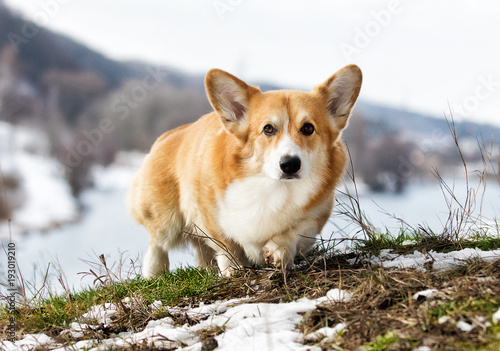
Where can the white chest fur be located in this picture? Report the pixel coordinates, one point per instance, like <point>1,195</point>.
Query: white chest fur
<point>255,209</point>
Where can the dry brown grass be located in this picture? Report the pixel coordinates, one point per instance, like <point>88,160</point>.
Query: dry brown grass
<point>382,305</point>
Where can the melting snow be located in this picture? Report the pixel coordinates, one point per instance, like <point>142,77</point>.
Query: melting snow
<point>101,313</point>
<point>438,260</point>
<point>427,294</point>
<point>247,326</point>
<point>464,326</point>
<point>46,198</point>
<point>325,333</point>
<point>120,174</point>
<point>496,317</point>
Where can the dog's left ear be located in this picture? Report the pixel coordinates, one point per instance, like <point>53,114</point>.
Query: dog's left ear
<point>230,97</point>
<point>341,91</point>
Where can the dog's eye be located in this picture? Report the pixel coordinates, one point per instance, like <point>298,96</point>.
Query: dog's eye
<point>307,129</point>
<point>269,130</point>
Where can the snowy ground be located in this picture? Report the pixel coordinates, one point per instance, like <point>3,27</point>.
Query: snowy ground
<point>432,259</point>
<point>245,325</point>
<point>44,197</point>
<point>119,175</point>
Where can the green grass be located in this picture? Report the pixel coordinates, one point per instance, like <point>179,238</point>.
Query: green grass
<point>171,288</point>
<point>59,311</point>
<point>382,342</point>
<point>466,307</point>
<point>410,240</point>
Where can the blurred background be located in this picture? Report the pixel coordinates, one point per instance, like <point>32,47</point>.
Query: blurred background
<point>86,87</point>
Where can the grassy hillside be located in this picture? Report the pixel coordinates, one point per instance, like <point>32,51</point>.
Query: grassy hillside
<point>382,315</point>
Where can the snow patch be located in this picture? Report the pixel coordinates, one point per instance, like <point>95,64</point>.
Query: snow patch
<point>427,294</point>
<point>244,326</point>
<point>120,173</point>
<point>437,260</point>
<point>48,197</point>
<point>29,342</point>
<point>496,317</point>
<point>444,319</point>
<point>325,333</point>
<point>337,295</point>
<point>423,348</point>
<point>101,314</point>
<point>464,326</point>
<point>47,200</point>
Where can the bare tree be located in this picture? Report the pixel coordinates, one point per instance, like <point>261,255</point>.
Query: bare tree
<point>386,166</point>
<point>73,91</point>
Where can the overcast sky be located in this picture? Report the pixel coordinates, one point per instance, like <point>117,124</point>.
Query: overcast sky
<point>423,55</point>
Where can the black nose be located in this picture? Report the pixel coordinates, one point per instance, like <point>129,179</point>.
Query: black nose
<point>290,164</point>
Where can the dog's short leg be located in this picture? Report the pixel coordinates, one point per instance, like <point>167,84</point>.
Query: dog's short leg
<point>230,261</point>
<point>226,264</point>
<point>279,253</point>
<point>307,240</point>
<point>203,254</point>
<point>155,261</point>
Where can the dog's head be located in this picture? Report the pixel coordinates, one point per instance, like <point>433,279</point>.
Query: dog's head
<point>285,133</point>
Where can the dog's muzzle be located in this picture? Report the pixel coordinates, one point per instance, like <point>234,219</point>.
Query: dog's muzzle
<point>290,166</point>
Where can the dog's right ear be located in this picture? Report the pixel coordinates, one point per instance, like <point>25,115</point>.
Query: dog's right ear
<point>341,91</point>
<point>230,97</point>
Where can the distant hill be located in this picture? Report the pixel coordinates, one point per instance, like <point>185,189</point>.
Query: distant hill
<point>40,50</point>
<point>416,125</point>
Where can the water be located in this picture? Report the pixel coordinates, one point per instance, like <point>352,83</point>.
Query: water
<point>106,229</point>
<point>425,204</point>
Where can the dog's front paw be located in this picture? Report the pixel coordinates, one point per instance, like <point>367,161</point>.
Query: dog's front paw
<point>226,273</point>
<point>226,265</point>
<point>276,255</point>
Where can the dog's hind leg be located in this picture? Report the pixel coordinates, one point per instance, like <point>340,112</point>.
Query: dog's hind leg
<point>161,241</point>
<point>165,226</point>
<point>155,261</point>
<point>155,205</point>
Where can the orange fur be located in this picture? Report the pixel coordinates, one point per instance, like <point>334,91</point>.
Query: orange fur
<point>222,183</point>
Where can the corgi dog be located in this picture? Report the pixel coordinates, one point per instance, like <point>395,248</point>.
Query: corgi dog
<point>251,182</point>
